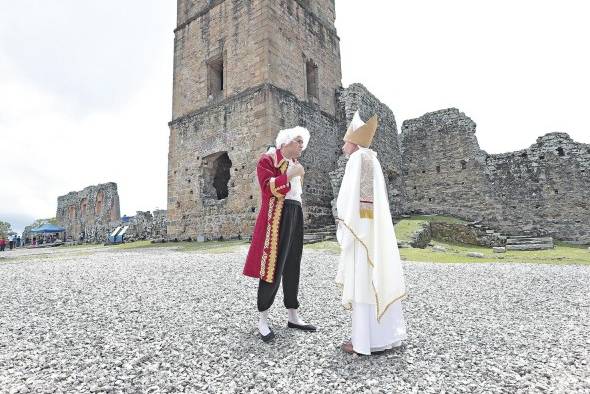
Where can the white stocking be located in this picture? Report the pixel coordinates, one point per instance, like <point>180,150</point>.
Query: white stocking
<point>294,317</point>
<point>263,323</point>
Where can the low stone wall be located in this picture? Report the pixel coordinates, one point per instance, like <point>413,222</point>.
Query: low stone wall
<point>466,234</point>
<point>146,225</point>
<point>422,237</point>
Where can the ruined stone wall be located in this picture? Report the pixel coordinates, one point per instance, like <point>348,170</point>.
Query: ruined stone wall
<point>299,37</point>
<point>233,32</point>
<point>318,159</point>
<point>256,42</point>
<point>443,165</point>
<point>357,98</point>
<point>323,9</point>
<point>160,224</point>
<point>215,142</point>
<point>93,211</point>
<point>542,190</point>
<point>244,128</point>
<point>239,128</point>
<point>467,233</point>
<point>190,9</point>
<point>146,225</point>
<point>279,66</point>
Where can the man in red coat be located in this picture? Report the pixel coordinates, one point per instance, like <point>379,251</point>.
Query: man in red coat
<point>277,241</point>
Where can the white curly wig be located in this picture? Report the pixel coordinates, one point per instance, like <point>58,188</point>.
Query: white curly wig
<point>287,135</point>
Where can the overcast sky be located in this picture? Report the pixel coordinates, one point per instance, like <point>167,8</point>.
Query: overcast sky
<point>85,86</point>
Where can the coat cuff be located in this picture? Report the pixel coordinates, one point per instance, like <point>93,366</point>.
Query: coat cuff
<point>280,186</point>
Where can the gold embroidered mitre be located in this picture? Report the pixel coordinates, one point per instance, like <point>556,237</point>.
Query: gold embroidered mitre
<point>361,133</point>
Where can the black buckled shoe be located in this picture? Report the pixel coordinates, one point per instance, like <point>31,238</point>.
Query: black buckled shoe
<point>268,337</point>
<point>304,327</point>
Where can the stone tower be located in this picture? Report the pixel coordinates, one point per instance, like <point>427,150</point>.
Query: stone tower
<point>243,69</point>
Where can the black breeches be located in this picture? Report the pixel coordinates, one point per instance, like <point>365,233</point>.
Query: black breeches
<point>288,262</point>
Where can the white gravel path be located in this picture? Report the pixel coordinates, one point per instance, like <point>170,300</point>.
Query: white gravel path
<point>160,320</point>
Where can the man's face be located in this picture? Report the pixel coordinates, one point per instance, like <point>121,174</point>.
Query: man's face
<point>293,149</point>
<point>349,148</point>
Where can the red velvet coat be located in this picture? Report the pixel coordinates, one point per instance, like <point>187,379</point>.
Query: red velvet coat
<point>274,185</point>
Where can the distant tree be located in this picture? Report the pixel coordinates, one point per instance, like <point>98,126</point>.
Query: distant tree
<point>5,228</point>
<point>40,222</point>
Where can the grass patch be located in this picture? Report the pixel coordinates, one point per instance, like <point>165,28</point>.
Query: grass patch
<point>439,219</point>
<point>457,253</point>
<point>405,228</point>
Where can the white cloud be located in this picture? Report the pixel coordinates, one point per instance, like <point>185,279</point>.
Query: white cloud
<point>85,98</point>
<point>46,152</point>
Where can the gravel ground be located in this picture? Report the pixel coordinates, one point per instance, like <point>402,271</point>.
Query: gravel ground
<point>160,320</point>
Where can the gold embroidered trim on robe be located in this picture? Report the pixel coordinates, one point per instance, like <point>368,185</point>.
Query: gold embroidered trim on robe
<point>366,213</point>
<point>370,262</point>
<point>366,188</point>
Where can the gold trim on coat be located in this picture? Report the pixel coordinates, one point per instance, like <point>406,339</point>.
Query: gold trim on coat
<point>274,241</point>
<point>266,238</point>
<point>273,188</point>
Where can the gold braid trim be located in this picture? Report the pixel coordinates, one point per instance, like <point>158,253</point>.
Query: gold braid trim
<point>366,213</point>
<point>358,239</point>
<point>271,204</point>
<point>379,315</point>
<point>388,304</point>
<point>273,181</point>
<point>272,228</point>
<point>284,166</point>
<point>273,188</point>
<point>274,242</point>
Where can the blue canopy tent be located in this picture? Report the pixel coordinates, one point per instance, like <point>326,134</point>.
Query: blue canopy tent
<point>44,229</point>
<point>48,228</point>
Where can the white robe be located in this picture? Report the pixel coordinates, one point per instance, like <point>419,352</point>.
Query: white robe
<point>369,269</point>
